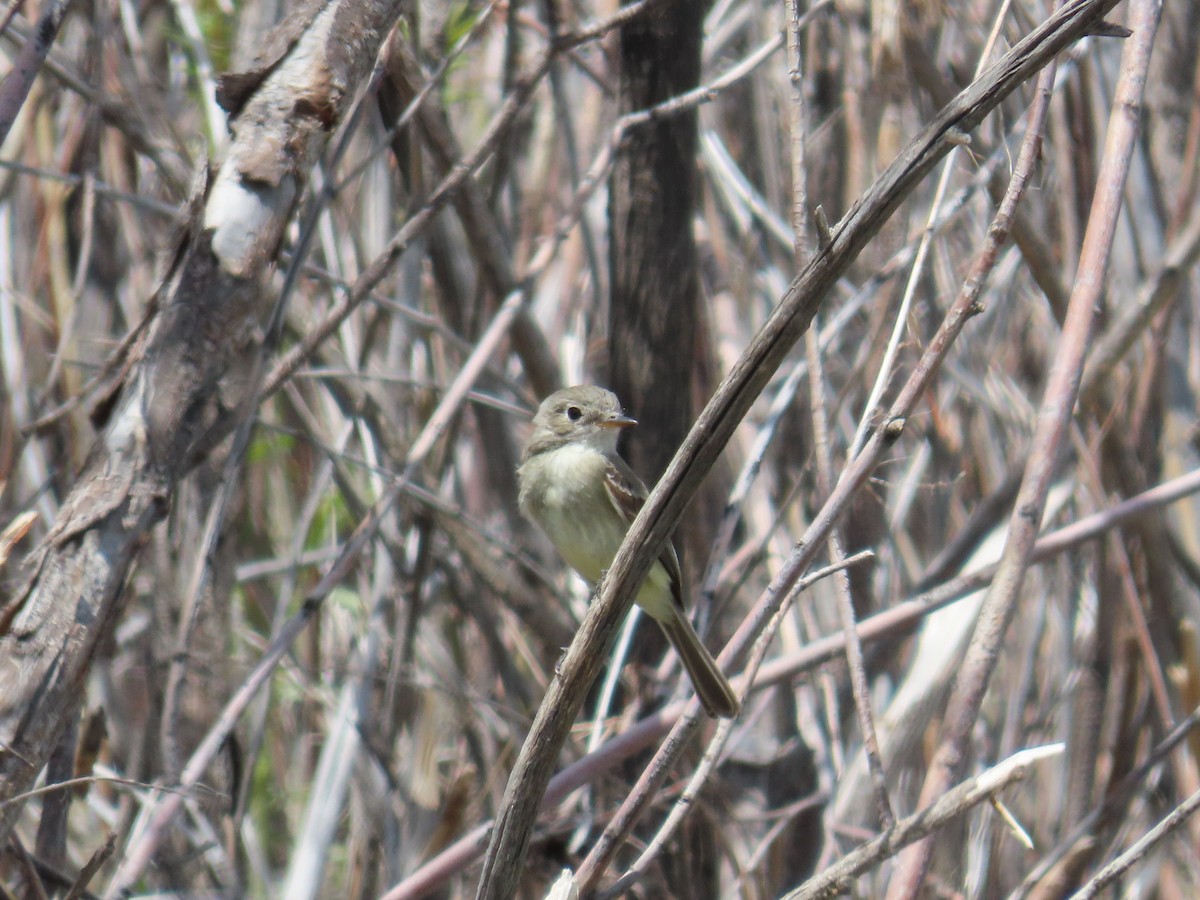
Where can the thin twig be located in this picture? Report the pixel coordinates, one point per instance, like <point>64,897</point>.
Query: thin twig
<point>1114,870</point>
<point>1061,392</point>
<point>928,820</point>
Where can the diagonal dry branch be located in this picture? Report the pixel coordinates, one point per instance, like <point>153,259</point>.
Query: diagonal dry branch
<point>837,878</point>
<point>896,620</point>
<point>204,316</point>
<point>664,508</point>
<point>1062,390</point>
<point>170,410</point>
<point>1101,654</point>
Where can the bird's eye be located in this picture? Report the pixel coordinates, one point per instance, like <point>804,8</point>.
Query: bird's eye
<point>574,413</point>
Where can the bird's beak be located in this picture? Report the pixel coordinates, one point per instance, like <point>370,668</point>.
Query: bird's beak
<point>618,421</point>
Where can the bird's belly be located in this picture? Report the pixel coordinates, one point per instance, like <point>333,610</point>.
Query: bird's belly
<point>588,542</point>
<point>556,496</point>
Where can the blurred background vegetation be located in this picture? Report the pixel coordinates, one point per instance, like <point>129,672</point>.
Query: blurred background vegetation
<point>388,729</point>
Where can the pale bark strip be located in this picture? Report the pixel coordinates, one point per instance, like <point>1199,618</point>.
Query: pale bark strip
<point>200,322</point>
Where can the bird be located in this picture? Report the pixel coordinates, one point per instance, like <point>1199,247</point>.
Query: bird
<point>576,487</point>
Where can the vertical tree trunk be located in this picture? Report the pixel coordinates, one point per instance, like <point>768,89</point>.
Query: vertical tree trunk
<point>655,303</point>
<point>655,285</point>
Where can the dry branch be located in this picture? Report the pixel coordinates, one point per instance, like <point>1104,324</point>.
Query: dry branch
<point>664,507</point>
<point>203,316</point>
<point>331,635</point>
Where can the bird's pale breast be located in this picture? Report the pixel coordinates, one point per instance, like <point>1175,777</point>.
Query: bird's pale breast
<point>571,480</point>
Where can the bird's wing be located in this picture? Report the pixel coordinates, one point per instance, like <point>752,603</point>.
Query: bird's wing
<point>627,493</point>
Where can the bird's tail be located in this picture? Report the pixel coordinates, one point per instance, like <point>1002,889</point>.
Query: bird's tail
<point>713,688</point>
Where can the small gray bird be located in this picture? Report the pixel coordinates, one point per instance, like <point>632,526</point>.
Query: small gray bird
<point>580,492</point>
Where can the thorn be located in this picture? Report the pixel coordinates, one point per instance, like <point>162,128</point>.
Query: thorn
<point>824,233</point>
<point>893,429</point>
<point>1105,28</point>
<point>1010,820</point>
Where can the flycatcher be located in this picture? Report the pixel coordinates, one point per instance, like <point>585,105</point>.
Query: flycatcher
<point>580,492</point>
